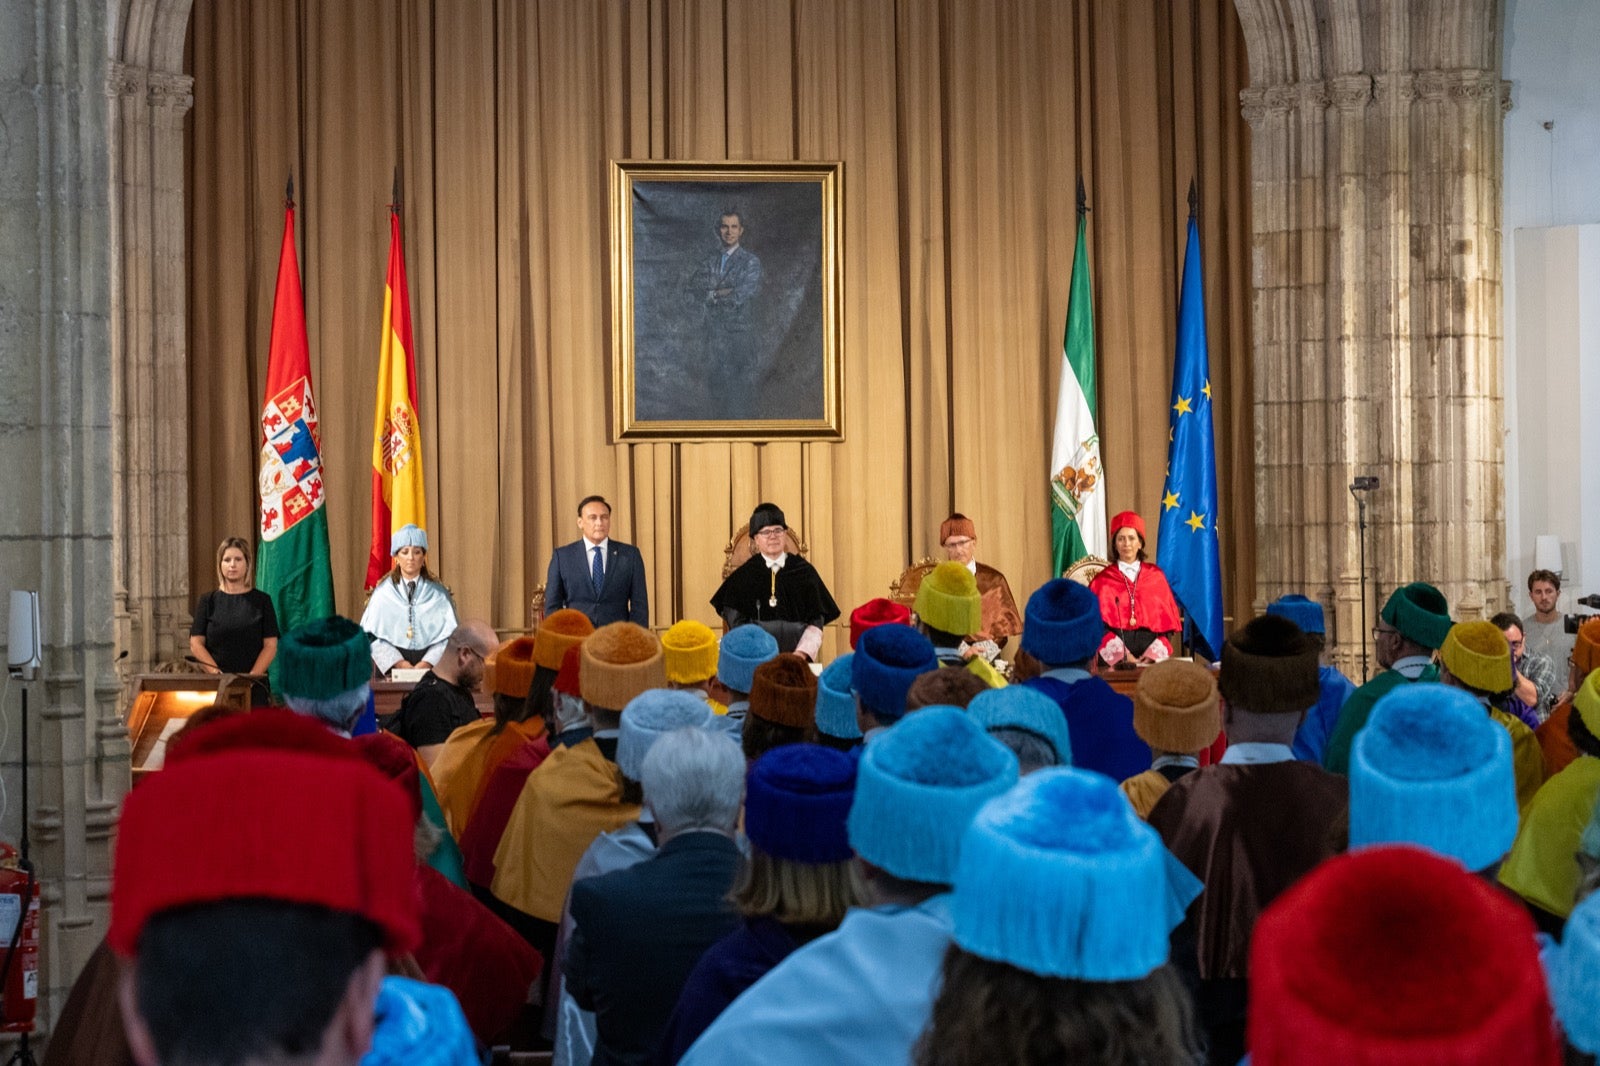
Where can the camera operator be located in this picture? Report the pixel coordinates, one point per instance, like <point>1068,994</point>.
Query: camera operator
<point>1546,633</point>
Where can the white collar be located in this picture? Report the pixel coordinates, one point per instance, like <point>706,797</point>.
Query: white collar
<point>1129,570</point>
<point>1255,752</point>
<point>775,564</point>
<point>972,567</point>
<point>1191,761</point>
<point>1411,666</point>
<point>604,546</point>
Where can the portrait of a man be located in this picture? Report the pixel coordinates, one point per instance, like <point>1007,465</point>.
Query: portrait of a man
<point>727,304</point>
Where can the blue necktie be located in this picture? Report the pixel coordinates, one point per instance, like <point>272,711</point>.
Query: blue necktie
<point>597,573</point>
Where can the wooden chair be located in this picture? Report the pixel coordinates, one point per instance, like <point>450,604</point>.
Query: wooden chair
<point>903,589</point>
<point>1084,570</point>
<point>740,548</point>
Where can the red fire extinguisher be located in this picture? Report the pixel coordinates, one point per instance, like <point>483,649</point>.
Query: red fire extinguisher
<point>19,944</point>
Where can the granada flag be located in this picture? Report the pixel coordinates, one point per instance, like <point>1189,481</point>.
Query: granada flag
<point>397,497</point>
<point>292,565</point>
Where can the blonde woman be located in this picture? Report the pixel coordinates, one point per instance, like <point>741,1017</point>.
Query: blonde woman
<point>235,628</point>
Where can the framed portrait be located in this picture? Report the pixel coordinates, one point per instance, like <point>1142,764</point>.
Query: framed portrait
<point>726,291</point>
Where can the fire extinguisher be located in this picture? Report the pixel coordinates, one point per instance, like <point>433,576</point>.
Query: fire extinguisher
<point>19,938</point>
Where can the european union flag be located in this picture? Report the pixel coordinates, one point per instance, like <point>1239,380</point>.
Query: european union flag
<point>1188,547</point>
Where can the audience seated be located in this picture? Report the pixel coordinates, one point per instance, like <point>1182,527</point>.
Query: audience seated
<point>946,688</point>
<point>874,613</point>
<point>1573,971</point>
<point>1335,689</point>
<point>1062,907</point>
<point>442,701</point>
<point>269,945</point>
<point>1542,868</point>
<point>783,705</point>
<point>743,649</point>
<point>647,718</point>
<point>1552,735</point>
<point>1253,824</point>
<point>1431,770</point>
<point>576,793</point>
<point>1027,722</point>
<point>1175,712</point>
<point>1411,627</point>
<point>1393,956</point>
<point>795,884</point>
<point>689,649</point>
<point>861,995</point>
<point>886,662</point>
<point>836,706</point>
<point>463,946</point>
<point>1476,658</point>
<point>1061,633</point>
<point>638,932</point>
<point>472,751</point>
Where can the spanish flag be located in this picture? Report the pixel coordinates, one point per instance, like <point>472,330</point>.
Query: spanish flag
<point>397,496</point>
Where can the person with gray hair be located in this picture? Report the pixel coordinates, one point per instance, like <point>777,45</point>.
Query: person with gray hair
<point>637,933</point>
<point>325,670</point>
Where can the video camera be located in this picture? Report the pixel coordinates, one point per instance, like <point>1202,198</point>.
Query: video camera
<point>1571,622</point>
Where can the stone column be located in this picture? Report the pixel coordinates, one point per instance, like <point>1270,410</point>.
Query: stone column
<point>56,483</point>
<point>1375,202</point>
<point>149,337</point>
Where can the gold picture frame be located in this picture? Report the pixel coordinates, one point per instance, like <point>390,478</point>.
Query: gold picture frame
<point>726,301</point>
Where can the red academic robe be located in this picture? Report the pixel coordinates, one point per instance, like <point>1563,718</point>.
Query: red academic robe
<point>1146,603</point>
<point>501,788</point>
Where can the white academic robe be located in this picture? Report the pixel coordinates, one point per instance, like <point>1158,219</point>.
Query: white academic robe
<point>386,618</point>
<point>859,995</point>
<point>574,1032</point>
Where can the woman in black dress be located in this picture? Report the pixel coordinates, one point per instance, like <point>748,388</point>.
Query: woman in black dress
<point>235,629</point>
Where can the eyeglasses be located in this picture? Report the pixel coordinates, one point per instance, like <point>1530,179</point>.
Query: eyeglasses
<point>771,531</point>
<point>1378,631</point>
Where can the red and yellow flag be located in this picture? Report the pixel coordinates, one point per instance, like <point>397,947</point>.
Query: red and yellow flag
<point>397,496</point>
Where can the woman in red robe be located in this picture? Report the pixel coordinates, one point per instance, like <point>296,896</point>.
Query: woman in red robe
<point>1136,602</point>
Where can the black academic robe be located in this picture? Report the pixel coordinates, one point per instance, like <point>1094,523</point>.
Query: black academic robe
<point>802,599</point>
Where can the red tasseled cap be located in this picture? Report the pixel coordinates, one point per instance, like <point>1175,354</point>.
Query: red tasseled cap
<point>1393,956</point>
<point>874,613</point>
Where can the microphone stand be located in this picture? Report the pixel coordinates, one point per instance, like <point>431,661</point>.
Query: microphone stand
<point>1358,489</point>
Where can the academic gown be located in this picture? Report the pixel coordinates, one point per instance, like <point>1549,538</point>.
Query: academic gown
<point>1334,690</point>
<point>1248,831</point>
<point>468,756</point>
<point>1541,868</point>
<point>1555,741</point>
<point>573,797</point>
<point>803,600</point>
<point>1100,724</point>
<point>1358,708</point>
<point>430,616</point>
<point>859,996</point>
<point>501,790</point>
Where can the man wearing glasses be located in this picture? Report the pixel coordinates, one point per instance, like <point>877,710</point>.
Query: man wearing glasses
<point>442,700</point>
<point>958,536</point>
<point>779,592</point>
<point>1411,627</point>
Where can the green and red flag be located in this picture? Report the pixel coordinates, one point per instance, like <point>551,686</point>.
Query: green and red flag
<point>293,565</point>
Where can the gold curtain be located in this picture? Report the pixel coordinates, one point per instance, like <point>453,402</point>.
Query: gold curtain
<point>962,124</point>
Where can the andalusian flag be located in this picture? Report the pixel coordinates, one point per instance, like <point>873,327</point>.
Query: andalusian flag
<point>1077,486</point>
<point>292,566</point>
<point>397,497</point>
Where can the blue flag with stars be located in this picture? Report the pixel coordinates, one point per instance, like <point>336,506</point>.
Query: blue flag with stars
<point>1188,546</point>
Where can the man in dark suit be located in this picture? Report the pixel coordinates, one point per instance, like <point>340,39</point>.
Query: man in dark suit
<point>637,933</point>
<point>599,576</point>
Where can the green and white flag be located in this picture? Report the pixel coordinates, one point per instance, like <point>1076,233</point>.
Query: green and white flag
<point>1077,480</point>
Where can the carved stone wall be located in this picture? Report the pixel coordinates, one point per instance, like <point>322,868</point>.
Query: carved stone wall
<point>1375,156</point>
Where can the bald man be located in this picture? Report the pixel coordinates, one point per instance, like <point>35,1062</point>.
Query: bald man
<point>442,701</point>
